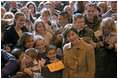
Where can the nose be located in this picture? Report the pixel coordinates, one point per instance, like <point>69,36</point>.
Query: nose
<point>71,37</point>
<point>41,46</point>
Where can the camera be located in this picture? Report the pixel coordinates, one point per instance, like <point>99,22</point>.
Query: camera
<point>100,38</point>
<point>105,43</point>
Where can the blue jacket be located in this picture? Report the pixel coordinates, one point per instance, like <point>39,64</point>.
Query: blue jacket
<point>9,65</point>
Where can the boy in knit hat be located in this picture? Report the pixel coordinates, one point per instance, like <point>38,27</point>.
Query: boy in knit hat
<point>30,64</point>
<point>19,54</point>
<point>19,57</point>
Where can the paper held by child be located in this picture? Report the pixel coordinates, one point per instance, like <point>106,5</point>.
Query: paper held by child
<point>55,66</point>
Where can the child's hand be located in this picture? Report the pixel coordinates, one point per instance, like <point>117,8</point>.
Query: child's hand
<point>27,70</point>
<point>59,37</point>
<point>19,73</point>
<point>42,62</point>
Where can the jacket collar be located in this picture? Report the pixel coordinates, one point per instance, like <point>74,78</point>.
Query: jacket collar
<point>80,46</point>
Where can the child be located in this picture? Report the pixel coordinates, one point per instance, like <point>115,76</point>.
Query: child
<point>31,66</point>
<point>8,47</point>
<point>40,29</point>
<point>52,57</point>
<point>28,25</point>
<point>54,17</point>
<point>18,53</point>
<point>40,46</point>
<point>50,25</point>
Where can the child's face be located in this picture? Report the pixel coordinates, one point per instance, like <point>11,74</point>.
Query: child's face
<point>20,58</point>
<point>51,54</point>
<point>29,42</point>
<point>28,26</point>
<point>27,59</point>
<point>25,11</point>
<point>8,49</point>
<point>31,7</point>
<point>40,28</point>
<point>40,45</point>
<point>45,16</point>
<point>54,17</point>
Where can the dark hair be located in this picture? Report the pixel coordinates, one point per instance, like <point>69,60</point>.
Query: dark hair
<point>69,27</point>
<point>90,4</point>
<point>79,6</point>
<point>22,40</point>
<point>77,15</point>
<point>16,52</point>
<point>32,4</point>
<point>7,45</point>
<point>50,47</point>
<point>65,14</point>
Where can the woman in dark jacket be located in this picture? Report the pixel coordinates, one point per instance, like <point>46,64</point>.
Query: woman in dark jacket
<point>13,32</point>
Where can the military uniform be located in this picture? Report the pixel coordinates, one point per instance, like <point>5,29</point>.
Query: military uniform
<point>87,32</point>
<point>95,24</point>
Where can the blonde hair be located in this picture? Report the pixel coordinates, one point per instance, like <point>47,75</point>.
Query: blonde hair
<point>31,52</point>
<point>108,22</point>
<point>37,22</point>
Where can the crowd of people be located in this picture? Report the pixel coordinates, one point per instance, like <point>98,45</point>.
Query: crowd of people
<point>80,34</point>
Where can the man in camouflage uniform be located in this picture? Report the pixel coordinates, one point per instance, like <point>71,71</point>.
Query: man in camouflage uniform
<point>91,19</point>
<point>85,32</point>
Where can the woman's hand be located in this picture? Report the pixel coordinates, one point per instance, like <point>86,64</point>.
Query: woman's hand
<point>101,44</point>
<point>111,46</point>
<point>93,44</point>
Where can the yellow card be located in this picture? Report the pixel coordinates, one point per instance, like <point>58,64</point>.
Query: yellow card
<point>55,66</point>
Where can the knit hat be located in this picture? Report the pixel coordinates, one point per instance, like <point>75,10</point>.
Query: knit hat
<point>16,52</point>
<point>31,52</point>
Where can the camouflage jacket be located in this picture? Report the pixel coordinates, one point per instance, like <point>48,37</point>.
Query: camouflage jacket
<point>95,24</point>
<point>87,32</point>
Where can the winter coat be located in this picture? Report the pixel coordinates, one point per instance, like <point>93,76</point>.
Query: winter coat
<point>106,59</point>
<point>9,65</point>
<point>87,32</point>
<point>79,62</point>
<point>11,36</point>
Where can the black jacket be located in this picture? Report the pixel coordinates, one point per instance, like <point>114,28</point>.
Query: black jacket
<point>11,36</point>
